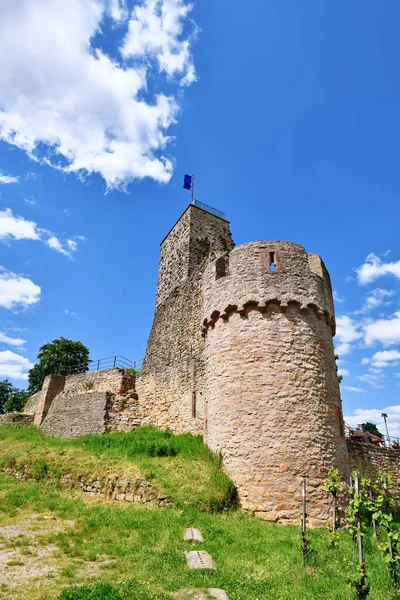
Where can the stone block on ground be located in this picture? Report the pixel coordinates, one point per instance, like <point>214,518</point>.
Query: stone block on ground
<point>199,559</point>
<point>192,535</point>
<point>218,594</point>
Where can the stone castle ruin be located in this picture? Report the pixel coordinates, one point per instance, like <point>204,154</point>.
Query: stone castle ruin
<point>240,351</point>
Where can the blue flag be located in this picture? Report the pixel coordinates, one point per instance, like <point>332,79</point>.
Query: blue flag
<point>187,182</point>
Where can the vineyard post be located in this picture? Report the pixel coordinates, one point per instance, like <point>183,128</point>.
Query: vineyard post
<point>359,537</point>
<point>373,520</point>
<point>384,483</point>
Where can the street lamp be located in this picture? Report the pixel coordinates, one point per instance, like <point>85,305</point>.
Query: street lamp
<point>385,416</point>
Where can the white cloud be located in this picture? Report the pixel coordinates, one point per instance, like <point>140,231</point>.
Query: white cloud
<point>54,243</point>
<point>71,313</point>
<point>73,107</point>
<point>155,29</point>
<point>7,178</point>
<point>374,267</point>
<point>347,330</point>
<point>17,291</point>
<point>373,379</point>
<point>375,298</point>
<point>350,388</point>
<point>343,372</point>
<point>342,349</point>
<point>14,366</point>
<point>373,415</point>
<point>385,331</point>
<point>118,10</point>
<point>5,339</point>
<point>336,297</point>
<point>17,228</point>
<point>385,358</point>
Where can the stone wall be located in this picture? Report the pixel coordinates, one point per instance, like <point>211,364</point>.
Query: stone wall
<point>172,396</point>
<point>95,402</point>
<point>273,402</point>
<point>183,250</point>
<point>117,488</point>
<point>20,418</point>
<point>72,415</point>
<point>370,461</point>
<point>40,402</point>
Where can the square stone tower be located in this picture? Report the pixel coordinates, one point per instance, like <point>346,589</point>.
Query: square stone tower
<point>171,382</point>
<point>196,233</point>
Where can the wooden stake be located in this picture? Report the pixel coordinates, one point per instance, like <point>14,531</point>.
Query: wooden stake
<point>334,515</point>
<point>359,537</point>
<point>389,538</point>
<point>373,520</point>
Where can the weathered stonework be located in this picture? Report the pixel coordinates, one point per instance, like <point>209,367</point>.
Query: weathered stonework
<point>116,488</point>
<point>240,350</point>
<point>371,461</point>
<point>17,418</point>
<point>274,409</point>
<point>96,402</point>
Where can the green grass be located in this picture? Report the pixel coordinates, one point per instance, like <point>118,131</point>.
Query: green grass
<point>181,465</point>
<point>115,552</point>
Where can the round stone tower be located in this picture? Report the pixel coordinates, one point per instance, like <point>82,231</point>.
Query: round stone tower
<point>273,406</point>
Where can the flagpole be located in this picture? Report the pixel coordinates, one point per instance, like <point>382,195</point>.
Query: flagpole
<point>192,189</point>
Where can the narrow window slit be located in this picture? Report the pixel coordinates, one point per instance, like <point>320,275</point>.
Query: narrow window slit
<point>272,264</point>
<point>194,405</point>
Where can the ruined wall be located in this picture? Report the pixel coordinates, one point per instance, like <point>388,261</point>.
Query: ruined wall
<point>95,402</point>
<point>20,418</point>
<point>40,403</point>
<point>32,404</point>
<point>370,461</point>
<point>273,401</point>
<point>72,415</point>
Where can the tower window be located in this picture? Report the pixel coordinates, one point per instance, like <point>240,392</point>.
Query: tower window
<point>272,264</point>
<point>194,405</point>
<point>221,267</point>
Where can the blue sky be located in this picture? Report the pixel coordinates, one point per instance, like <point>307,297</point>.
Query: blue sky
<point>287,112</point>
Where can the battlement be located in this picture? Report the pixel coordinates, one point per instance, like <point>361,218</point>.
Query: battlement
<point>262,273</point>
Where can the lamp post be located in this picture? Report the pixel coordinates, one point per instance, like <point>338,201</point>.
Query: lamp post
<point>385,416</point>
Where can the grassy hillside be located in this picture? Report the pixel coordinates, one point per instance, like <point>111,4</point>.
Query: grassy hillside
<point>182,466</point>
<point>52,539</point>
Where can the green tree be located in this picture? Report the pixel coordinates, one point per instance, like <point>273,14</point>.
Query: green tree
<point>62,356</point>
<point>16,401</point>
<point>6,388</point>
<point>371,428</point>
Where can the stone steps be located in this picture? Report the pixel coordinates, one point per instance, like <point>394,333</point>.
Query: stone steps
<point>200,559</point>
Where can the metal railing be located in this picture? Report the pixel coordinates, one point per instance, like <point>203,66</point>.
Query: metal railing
<point>210,209</point>
<point>149,362</point>
<point>101,364</point>
<point>113,362</point>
